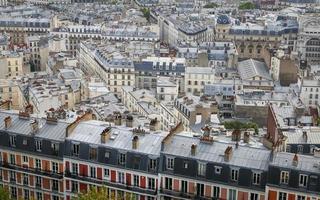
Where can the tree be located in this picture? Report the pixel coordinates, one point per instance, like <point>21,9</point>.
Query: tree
<point>211,5</point>
<point>237,125</point>
<point>4,194</point>
<point>101,194</point>
<point>146,13</point>
<point>246,6</point>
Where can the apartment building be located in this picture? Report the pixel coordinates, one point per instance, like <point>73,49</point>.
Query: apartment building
<point>20,28</point>
<point>152,69</point>
<point>116,70</point>
<point>10,91</point>
<point>11,64</point>
<point>310,92</point>
<point>193,111</point>
<point>46,158</point>
<point>32,156</point>
<point>196,78</point>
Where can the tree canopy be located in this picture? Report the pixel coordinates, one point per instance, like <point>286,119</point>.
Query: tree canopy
<point>146,13</point>
<point>246,6</point>
<point>237,125</point>
<point>4,194</point>
<point>211,5</point>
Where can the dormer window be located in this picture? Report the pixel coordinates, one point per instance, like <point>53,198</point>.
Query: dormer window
<point>38,145</point>
<point>12,140</point>
<point>122,159</point>
<point>75,149</point>
<point>170,163</point>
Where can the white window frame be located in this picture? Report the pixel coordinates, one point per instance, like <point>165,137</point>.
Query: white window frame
<point>170,163</point>
<point>303,180</point>
<point>202,168</point>
<point>38,145</point>
<point>217,169</point>
<point>284,177</point>
<point>256,178</point>
<point>234,174</point>
<point>55,167</point>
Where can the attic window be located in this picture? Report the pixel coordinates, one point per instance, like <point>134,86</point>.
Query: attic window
<point>25,142</point>
<point>107,154</point>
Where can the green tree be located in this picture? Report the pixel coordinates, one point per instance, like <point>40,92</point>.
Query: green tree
<point>246,6</point>
<point>4,194</point>
<point>146,13</point>
<point>101,194</point>
<point>211,5</point>
<point>237,125</point>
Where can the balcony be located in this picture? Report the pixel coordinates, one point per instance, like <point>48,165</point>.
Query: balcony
<point>118,185</point>
<point>31,170</point>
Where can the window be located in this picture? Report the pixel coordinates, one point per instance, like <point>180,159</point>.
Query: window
<point>151,183</point>
<point>217,170</point>
<point>38,145</point>
<point>234,174</point>
<point>121,177</point>
<point>74,168</point>
<point>303,180</point>
<point>12,176</point>
<point>39,196</point>
<point>75,149</point>
<point>93,172</point>
<point>55,148</point>
<point>13,192</point>
<point>152,164</point>
<point>13,140</point>
<point>74,186</point>
<point>26,194</point>
<point>254,196</point>
<point>38,181</point>
<point>185,164</point>
<point>12,159</point>
<point>202,169</point>
<point>168,183</point>
<point>170,163</point>
<point>136,180</point>
<point>184,186</point>
<point>284,177</point>
<point>216,192</point>
<point>200,189</point>
<point>122,159</point>
<point>55,185</point>
<point>300,197</point>
<point>93,153</point>
<point>25,159</point>
<point>282,196</point>
<point>25,179</point>
<point>107,154</point>
<point>38,164</point>
<point>256,178</point>
<point>232,194</point>
<point>300,149</point>
<point>106,173</point>
<point>55,167</point>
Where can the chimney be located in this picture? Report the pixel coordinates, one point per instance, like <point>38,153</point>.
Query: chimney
<point>34,126</point>
<point>135,142</point>
<point>246,137</point>
<point>117,119</point>
<point>193,149</point>
<point>236,135</point>
<point>105,135</point>
<point>305,136</point>
<point>295,160</point>
<point>316,152</point>
<point>228,154</point>
<point>129,121</point>
<point>154,124</point>
<point>7,122</point>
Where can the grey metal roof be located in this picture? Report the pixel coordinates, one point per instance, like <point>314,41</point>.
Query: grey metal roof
<point>305,163</point>
<point>296,136</point>
<point>22,126</point>
<point>243,156</point>
<point>251,68</point>
<point>121,137</point>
